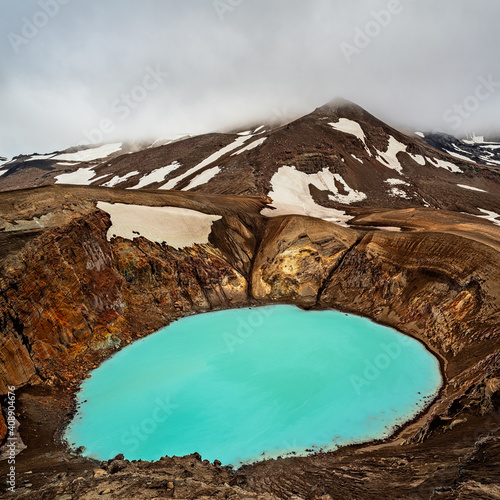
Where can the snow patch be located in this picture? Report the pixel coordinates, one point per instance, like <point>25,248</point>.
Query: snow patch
<point>350,127</point>
<point>399,193</point>
<point>471,188</point>
<point>119,179</point>
<point>157,175</point>
<point>90,154</point>
<point>396,182</point>
<point>417,158</point>
<point>390,156</point>
<point>252,145</point>
<point>165,141</point>
<point>291,194</point>
<point>420,134</point>
<point>491,216</point>
<point>491,162</point>
<point>177,227</point>
<point>3,172</point>
<point>82,176</point>
<point>456,155</point>
<point>389,228</point>
<point>100,178</point>
<point>451,167</point>
<point>475,139</point>
<point>203,178</point>
<point>40,157</point>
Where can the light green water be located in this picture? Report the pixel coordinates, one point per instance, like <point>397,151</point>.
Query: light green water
<point>244,384</point>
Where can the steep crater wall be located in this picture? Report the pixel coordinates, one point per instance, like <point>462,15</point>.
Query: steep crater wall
<point>70,297</point>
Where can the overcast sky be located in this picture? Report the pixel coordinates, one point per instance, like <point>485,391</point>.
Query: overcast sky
<point>75,71</point>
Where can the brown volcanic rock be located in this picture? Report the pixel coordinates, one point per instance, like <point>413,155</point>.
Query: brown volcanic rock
<point>70,296</point>
<point>71,292</point>
<point>296,256</point>
<point>423,279</point>
<point>164,280</point>
<point>179,477</point>
<point>56,294</point>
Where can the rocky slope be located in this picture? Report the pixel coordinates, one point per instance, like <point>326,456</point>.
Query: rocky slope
<point>71,294</point>
<point>322,165</point>
<point>476,149</point>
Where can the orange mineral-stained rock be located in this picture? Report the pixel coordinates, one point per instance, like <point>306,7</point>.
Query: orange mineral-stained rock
<point>69,293</point>
<point>16,366</point>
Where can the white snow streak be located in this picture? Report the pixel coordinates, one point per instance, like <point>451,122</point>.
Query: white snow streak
<point>211,159</point>
<point>471,188</point>
<point>157,175</point>
<point>252,145</point>
<point>90,154</point>
<point>203,178</point>
<point>456,155</point>
<point>119,179</point>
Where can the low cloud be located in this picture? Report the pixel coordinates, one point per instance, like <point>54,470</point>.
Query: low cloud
<point>158,68</point>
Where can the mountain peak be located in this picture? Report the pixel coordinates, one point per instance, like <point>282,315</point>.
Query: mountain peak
<point>343,108</point>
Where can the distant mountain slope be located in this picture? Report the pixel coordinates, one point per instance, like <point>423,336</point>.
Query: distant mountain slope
<point>324,165</point>
<point>476,149</point>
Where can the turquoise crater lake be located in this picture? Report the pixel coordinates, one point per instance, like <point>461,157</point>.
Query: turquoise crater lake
<point>245,384</point>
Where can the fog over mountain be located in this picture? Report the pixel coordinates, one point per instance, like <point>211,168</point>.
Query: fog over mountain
<point>83,71</point>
